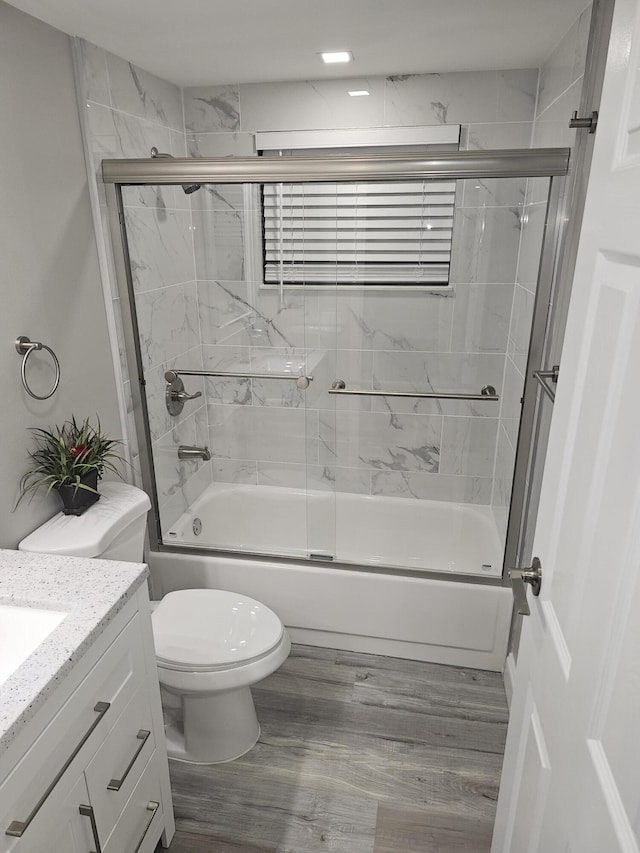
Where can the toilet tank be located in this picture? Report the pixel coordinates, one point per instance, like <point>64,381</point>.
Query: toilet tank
<point>112,529</point>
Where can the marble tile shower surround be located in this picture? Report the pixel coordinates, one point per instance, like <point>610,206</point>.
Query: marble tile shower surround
<point>558,96</point>
<point>402,341</point>
<point>126,112</point>
<point>367,445</point>
<point>485,97</point>
<point>409,341</point>
<point>201,309</point>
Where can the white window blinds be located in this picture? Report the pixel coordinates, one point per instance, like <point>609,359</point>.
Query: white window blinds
<point>383,232</point>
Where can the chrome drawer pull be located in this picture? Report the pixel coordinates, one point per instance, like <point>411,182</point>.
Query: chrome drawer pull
<point>17,827</point>
<point>116,784</point>
<point>151,807</point>
<point>87,811</point>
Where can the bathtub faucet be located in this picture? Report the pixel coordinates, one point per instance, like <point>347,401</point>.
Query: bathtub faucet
<point>186,452</point>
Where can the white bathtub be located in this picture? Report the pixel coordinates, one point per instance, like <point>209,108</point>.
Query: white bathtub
<point>349,528</point>
<point>421,618</point>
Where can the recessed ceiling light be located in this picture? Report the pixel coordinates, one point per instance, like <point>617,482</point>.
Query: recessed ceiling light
<point>358,93</point>
<point>337,56</point>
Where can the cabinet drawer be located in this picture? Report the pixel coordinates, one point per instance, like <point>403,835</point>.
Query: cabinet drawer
<point>141,821</point>
<point>77,730</point>
<point>117,766</point>
<point>59,826</point>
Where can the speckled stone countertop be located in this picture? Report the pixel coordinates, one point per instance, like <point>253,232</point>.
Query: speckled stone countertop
<point>90,591</point>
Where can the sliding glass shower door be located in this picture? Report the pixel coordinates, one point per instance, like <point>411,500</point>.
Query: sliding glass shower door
<point>236,461</point>
<point>334,371</point>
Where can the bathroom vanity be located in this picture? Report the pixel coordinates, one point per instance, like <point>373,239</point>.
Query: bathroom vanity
<point>83,764</point>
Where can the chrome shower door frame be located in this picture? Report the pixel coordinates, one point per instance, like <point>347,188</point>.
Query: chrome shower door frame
<point>543,162</point>
<point>555,223</point>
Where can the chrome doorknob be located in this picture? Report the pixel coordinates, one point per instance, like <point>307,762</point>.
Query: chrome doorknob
<point>519,577</point>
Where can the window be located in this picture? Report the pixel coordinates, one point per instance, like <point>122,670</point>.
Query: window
<point>386,232</point>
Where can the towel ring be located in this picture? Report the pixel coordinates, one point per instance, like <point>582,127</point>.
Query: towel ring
<point>24,347</point>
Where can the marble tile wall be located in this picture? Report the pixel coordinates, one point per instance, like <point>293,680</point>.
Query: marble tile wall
<point>126,112</point>
<point>558,95</point>
<point>403,340</point>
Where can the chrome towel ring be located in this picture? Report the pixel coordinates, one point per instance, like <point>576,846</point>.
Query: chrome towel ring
<point>24,347</point>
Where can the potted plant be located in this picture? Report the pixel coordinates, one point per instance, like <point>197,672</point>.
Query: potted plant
<point>70,460</point>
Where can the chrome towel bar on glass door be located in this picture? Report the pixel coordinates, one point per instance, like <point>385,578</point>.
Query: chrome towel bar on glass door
<point>488,392</point>
<point>301,380</point>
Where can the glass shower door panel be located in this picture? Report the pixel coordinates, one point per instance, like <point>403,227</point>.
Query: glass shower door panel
<point>202,308</point>
<point>423,483</point>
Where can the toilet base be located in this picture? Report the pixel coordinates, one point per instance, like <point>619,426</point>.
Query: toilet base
<point>177,752</point>
<point>211,729</point>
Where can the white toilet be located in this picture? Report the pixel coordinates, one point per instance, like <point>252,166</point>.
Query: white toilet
<point>211,645</point>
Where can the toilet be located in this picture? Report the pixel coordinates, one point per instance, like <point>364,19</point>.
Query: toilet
<point>211,645</point>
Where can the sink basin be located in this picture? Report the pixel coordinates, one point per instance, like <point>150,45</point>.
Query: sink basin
<point>22,629</point>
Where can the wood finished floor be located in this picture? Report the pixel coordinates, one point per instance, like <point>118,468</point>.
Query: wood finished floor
<point>358,754</point>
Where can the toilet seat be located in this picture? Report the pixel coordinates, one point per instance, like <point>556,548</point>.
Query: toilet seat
<point>207,630</point>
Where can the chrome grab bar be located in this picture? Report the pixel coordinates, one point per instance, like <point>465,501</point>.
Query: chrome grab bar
<point>116,784</point>
<point>17,828</point>
<point>488,392</point>
<point>301,380</point>
<point>542,375</point>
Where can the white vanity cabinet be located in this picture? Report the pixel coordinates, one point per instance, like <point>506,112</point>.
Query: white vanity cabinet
<point>88,772</point>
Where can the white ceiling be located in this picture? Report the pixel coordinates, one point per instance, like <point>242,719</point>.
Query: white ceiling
<point>205,42</point>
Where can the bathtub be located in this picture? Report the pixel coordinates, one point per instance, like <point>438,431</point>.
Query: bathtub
<point>371,608</point>
<point>420,535</point>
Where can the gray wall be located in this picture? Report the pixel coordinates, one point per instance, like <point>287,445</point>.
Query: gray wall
<point>51,285</point>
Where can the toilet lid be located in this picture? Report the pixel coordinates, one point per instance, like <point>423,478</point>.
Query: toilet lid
<point>207,629</point>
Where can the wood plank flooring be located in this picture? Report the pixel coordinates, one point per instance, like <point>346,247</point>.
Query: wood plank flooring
<point>357,754</point>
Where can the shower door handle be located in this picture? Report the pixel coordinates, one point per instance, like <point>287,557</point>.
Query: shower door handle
<point>519,577</point>
<point>487,392</point>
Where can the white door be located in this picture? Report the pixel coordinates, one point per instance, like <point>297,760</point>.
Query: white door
<point>571,777</point>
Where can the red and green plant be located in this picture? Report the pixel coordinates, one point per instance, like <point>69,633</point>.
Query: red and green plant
<point>66,455</point>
